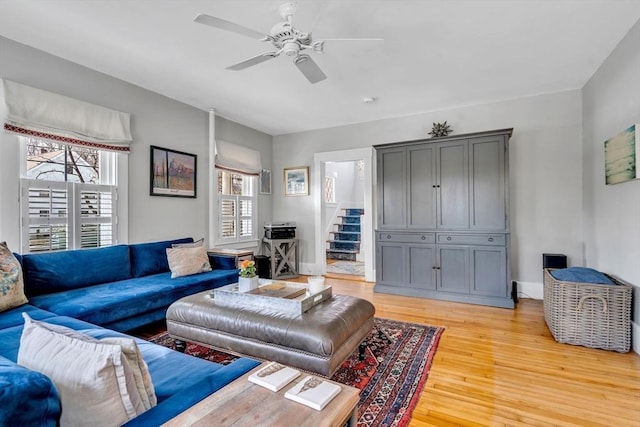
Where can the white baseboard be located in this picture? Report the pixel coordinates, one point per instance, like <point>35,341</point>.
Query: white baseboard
<point>532,290</point>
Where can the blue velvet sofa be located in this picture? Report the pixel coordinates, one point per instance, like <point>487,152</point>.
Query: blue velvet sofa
<point>119,288</point>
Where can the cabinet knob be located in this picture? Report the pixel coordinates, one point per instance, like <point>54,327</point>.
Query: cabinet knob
<point>423,238</point>
<point>388,236</point>
<point>449,238</point>
<point>434,186</point>
<point>491,239</point>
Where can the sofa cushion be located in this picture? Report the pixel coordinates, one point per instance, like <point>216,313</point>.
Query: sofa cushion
<point>151,258</point>
<point>11,283</point>
<point>14,317</point>
<point>94,379</point>
<point>60,271</point>
<point>184,261</point>
<point>28,398</point>
<point>111,302</point>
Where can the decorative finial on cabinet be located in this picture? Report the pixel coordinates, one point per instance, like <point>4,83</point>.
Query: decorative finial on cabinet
<point>440,129</point>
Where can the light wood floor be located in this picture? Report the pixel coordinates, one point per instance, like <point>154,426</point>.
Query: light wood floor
<point>501,367</point>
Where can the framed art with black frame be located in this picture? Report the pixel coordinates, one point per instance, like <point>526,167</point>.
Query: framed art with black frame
<point>173,173</point>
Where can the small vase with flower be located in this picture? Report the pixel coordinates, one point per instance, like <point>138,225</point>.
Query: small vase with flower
<point>248,279</point>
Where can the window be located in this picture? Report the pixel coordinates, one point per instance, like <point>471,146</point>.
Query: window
<point>237,210</point>
<point>66,199</point>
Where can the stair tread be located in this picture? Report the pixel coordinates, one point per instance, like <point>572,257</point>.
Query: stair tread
<point>344,251</point>
<point>346,232</point>
<point>343,241</point>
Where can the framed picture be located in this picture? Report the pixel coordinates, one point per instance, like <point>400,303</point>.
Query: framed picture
<point>173,173</point>
<point>622,156</point>
<point>296,181</point>
<point>265,181</point>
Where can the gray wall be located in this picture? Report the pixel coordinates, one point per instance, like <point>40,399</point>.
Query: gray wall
<point>611,103</point>
<point>546,172</point>
<point>156,120</point>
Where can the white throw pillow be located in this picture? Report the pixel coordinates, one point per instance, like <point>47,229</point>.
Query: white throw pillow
<point>187,261</point>
<point>11,283</point>
<point>94,380</point>
<point>139,368</point>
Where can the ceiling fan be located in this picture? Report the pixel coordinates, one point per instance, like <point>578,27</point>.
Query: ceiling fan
<point>285,38</point>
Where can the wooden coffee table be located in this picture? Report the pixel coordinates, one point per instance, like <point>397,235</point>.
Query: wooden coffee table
<point>242,403</point>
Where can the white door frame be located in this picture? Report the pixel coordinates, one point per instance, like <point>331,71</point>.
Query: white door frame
<point>319,160</point>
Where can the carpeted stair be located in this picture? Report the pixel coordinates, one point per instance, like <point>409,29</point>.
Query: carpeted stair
<point>345,242</point>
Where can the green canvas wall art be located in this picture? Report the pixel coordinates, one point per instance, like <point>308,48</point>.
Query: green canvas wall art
<point>621,156</point>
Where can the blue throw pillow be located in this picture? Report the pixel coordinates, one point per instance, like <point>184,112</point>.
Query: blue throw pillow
<point>581,275</point>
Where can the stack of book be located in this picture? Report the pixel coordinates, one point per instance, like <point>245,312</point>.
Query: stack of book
<point>311,391</point>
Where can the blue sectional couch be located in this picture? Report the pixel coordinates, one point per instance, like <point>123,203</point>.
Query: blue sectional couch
<point>118,288</point>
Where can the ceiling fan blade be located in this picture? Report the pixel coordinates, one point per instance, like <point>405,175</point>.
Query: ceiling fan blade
<point>309,68</point>
<point>353,39</point>
<point>228,26</point>
<point>252,61</point>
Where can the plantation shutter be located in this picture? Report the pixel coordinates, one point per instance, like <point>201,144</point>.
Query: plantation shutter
<point>96,225</point>
<point>48,220</point>
<point>45,215</point>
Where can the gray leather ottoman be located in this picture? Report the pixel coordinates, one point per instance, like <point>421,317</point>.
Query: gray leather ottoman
<point>318,340</point>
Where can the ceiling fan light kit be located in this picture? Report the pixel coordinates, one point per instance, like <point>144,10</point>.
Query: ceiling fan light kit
<point>284,37</point>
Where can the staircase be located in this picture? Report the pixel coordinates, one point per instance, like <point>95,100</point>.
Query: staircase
<point>345,242</point>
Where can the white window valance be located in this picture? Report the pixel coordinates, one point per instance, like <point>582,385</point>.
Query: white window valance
<point>237,158</point>
<point>42,114</point>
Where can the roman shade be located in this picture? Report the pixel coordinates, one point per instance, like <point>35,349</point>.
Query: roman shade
<point>237,158</point>
<point>41,114</point>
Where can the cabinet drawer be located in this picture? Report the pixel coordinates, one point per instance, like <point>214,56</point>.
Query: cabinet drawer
<point>383,236</point>
<point>472,239</point>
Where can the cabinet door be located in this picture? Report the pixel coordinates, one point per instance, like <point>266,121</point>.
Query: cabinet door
<point>453,181</point>
<point>421,202</point>
<point>422,272</point>
<point>489,271</point>
<point>453,262</point>
<point>390,263</point>
<point>392,187</point>
<point>487,180</point>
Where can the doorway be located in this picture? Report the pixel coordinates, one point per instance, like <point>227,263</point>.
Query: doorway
<point>344,209</point>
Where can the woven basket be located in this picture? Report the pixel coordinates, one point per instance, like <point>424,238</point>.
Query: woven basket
<point>588,314</point>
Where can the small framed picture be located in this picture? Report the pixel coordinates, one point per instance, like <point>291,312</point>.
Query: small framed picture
<point>296,181</point>
<point>265,181</point>
<point>173,173</point>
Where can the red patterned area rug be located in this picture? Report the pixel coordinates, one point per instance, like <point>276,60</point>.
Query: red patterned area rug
<point>391,376</point>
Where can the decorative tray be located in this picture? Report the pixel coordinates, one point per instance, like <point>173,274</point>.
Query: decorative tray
<point>287,297</point>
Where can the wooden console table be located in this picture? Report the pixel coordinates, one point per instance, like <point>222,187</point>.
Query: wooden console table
<point>247,404</point>
<point>284,257</point>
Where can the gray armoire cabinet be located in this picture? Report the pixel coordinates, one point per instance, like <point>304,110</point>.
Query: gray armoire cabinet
<point>443,218</point>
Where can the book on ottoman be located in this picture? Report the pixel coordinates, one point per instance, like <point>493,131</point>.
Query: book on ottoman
<point>313,392</point>
<point>274,376</point>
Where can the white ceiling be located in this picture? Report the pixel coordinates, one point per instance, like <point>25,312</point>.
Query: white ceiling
<point>436,54</point>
